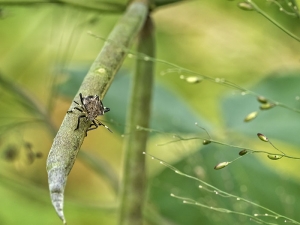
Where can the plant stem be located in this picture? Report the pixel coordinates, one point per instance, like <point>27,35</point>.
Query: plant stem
<point>67,142</point>
<point>257,9</point>
<point>134,175</point>
<point>99,165</point>
<point>99,7</point>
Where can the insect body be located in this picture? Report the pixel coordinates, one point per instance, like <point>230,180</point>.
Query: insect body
<point>91,107</point>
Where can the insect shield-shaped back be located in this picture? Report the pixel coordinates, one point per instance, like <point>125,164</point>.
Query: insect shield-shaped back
<point>93,106</point>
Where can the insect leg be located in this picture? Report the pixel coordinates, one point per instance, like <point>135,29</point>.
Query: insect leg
<point>93,124</point>
<point>81,98</point>
<point>79,109</point>
<point>102,124</point>
<point>78,121</point>
<point>72,110</point>
<point>76,103</point>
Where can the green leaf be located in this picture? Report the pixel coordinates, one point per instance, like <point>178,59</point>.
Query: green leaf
<point>159,3</point>
<point>276,122</point>
<point>101,167</point>
<point>74,78</point>
<point>32,199</point>
<point>248,178</point>
<point>169,111</point>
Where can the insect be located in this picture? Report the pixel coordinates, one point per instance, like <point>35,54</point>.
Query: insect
<point>91,107</point>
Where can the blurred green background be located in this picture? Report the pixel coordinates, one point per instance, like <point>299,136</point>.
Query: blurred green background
<point>46,51</point>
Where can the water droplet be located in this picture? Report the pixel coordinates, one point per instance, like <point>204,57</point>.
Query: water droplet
<point>146,58</point>
<point>238,199</point>
<point>182,77</point>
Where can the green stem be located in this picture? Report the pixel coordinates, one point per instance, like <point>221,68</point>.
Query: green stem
<point>99,7</point>
<point>99,165</point>
<point>257,9</point>
<point>134,176</point>
<point>67,142</point>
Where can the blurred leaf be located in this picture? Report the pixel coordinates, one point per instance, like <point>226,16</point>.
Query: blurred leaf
<point>102,167</point>
<point>22,96</point>
<point>169,111</point>
<point>75,76</point>
<point>166,2</point>
<point>99,6</point>
<point>34,206</point>
<point>276,122</point>
<point>224,41</point>
<point>247,178</point>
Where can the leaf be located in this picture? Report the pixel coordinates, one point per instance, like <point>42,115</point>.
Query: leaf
<point>74,78</point>
<point>159,3</point>
<point>169,112</point>
<point>248,178</point>
<point>32,198</point>
<point>102,167</point>
<point>276,122</point>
